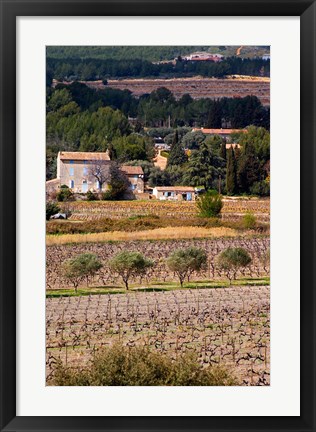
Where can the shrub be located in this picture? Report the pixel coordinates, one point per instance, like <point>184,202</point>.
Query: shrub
<point>107,196</point>
<point>249,220</point>
<point>64,194</point>
<point>211,222</point>
<point>138,366</point>
<point>94,226</point>
<point>91,196</point>
<point>51,209</point>
<point>210,204</point>
<point>260,188</point>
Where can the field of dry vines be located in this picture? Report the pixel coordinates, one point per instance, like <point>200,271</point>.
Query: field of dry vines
<point>196,87</point>
<point>228,326</point>
<point>233,208</point>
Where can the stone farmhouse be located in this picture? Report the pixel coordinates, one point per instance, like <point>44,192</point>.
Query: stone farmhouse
<point>90,171</point>
<point>83,171</point>
<point>135,175</point>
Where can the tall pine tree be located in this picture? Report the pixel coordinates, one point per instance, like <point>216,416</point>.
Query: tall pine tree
<point>203,167</point>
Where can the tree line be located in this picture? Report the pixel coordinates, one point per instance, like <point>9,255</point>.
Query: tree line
<point>160,108</point>
<point>91,69</point>
<point>130,265</point>
<point>125,52</point>
<point>151,53</point>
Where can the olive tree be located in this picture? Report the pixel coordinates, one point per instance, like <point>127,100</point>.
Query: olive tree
<point>81,267</point>
<point>231,260</point>
<point>183,262</point>
<point>130,264</point>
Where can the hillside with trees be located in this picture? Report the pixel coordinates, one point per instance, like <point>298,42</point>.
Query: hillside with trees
<point>149,53</point>
<point>90,69</point>
<point>81,119</point>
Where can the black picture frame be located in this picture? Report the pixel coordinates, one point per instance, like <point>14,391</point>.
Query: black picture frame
<point>9,11</point>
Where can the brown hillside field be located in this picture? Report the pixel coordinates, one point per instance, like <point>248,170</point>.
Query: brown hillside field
<point>197,87</point>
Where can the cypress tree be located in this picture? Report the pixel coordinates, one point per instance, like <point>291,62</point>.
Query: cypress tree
<point>177,154</point>
<point>175,138</point>
<point>223,153</point>
<point>248,168</point>
<point>231,172</point>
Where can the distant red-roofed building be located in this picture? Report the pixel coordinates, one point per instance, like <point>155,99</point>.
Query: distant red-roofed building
<point>224,133</point>
<point>204,56</point>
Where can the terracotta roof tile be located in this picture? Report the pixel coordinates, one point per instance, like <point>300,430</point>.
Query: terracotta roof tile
<point>81,156</point>
<point>53,181</point>
<point>175,188</point>
<point>219,131</point>
<point>132,170</point>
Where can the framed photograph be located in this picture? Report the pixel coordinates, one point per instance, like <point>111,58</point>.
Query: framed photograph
<point>169,285</point>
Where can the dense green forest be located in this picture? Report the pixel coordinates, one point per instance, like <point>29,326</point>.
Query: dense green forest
<point>160,107</point>
<point>89,69</point>
<point>79,118</point>
<point>149,53</point>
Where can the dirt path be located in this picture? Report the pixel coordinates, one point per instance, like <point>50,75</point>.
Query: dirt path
<point>160,161</point>
<point>238,50</point>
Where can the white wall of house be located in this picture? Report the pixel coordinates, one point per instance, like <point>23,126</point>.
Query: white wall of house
<point>174,195</point>
<point>136,183</point>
